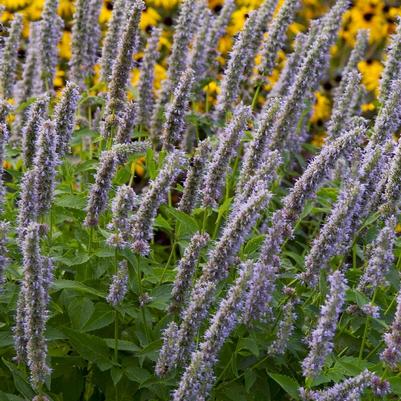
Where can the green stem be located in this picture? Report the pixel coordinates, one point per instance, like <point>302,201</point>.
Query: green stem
<point>168,263</point>
<point>255,97</point>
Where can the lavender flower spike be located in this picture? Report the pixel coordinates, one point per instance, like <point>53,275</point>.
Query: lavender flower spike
<point>146,79</point>
<point>193,181</point>
<point>380,257</point>
<point>229,142</point>
<point>121,69</point>
<point>45,163</point>
<point>198,378</point>
<point>64,117</point>
<point>169,352</point>
<point>392,353</point>
<point>123,203</point>
<point>9,58</point>
<point>392,66</point>
<point>4,229</point>
<point>119,285</point>
<point>36,306</point>
<point>350,389</point>
<point>185,271</point>
<point>321,340</point>
<point>142,221</point>
<point>276,36</point>
<point>30,131</point>
<point>174,126</point>
<point>50,34</point>
<point>109,49</point>
<point>28,204</point>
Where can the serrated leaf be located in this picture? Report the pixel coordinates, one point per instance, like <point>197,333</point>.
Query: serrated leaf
<point>77,286</point>
<point>101,317</point>
<point>288,384</point>
<point>71,201</point>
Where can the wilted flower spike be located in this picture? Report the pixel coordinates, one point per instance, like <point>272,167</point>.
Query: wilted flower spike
<point>175,125</point>
<point>146,79</point>
<point>321,340</point>
<point>349,390</point>
<point>185,271</point>
<point>217,168</point>
<point>142,221</point>
<point>276,36</point>
<point>380,258</point>
<point>193,181</point>
<point>119,285</point>
<point>198,378</point>
<point>9,58</point>
<point>30,131</point>
<point>35,305</point>
<point>64,116</point>
<point>97,201</point>
<point>45,164</point>
<point>123,203</point>
<point>121,69</point>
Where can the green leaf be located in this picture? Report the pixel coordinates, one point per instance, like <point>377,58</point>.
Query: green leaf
<point>76,286</point>
<point>123,345</point>
<point>20,380</point>
<point>395,383</point>
<point>71,201</point>
<point>9,397</point>
<point>80,310</point>
<point>91,348</point>
<point>137,374</point>
<point>102,317</point>
<point>188,225</point>
<point>288,384</point>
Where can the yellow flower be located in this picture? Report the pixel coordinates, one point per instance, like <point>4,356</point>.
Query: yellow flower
<point>167,4</point>
<point>66,8</point>
<point>318,140</point>
<point>150,17</point>
<point>371,71</point>
<point>367,107</point>
<point>59,78</point>
<point>15,4</point>
<point>7,164</point>
<point>212,88</point>
<point>34,11</point>
<point>137,167</point>
<point>160,75</point>
<point>65,45</point>
<point>398,228</point>
<point>321,108</point>
<point>238,20</point>
<point>105,13</point>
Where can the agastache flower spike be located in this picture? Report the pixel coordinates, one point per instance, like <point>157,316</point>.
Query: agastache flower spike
<point>35,306</point>
<point>119,285</point>
<point>284,219</point>
<point>229,142</point>
<point>174,126</point>
<point>4,229</point>
<point>168,353</point>
<point>30,131</point>
<point>115,28</point>
<point>123,203</point>
<point>193,181</point>
<point>97,201</point>
<point>257,149</point>
<point>334,236</point>
<point>177,61</point>
<point>221,256</point>
<point>28,204</point>
<point>185,271</point>
<point>4,135</point>
<point>93,35</point>
<point>128,121</point>
<point>9,58</point>
<point>349,389</point>
<point>45,163</point>
<point>357,54</point>
<point>121,69</point>
<point>50,34</point>
<point>392,65</point>
<point>64,116</point>
<point>380,257</point>
<point>142,221</point>
<point>146,79</point>
<point>321,340</point>
<point>233,74</point>
<point>276,37</point>
<point>392,353</point>
<point>308,75</point>
<point>285,329</point>
<point>198,378</point>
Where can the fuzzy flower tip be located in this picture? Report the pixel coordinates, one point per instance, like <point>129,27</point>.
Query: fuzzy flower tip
<point>119,285</point>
